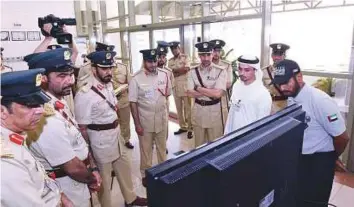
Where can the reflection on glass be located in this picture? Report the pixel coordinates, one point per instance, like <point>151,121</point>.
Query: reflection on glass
<point>138,41</point>
<point>111,8</point>
<point>243,37</point>
<point>142,12</point>
<point>319,39</point>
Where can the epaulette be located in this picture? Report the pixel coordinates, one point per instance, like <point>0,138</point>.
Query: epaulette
<point>218,67</point>
<point>5,150</point>
<point>226,61</point>
<point>34,134</point>
<point>84,88</point>
<point>138,72</point>
<point>167,68</point>
<point>162,70</point>
<point>48,109</point>
<point>119,63</point>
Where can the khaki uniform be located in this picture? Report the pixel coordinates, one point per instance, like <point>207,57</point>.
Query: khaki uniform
<point>207,120</point>
<point>106,146</point>
<point>225,98</point>
<point>149,91</point>
<point>170,74</point>
<point>276,105</point>
<point>70,101</point>
<point>57,140</point>
<point>85,76</point>
<point>121,76</point>
<point>24,181</point>
<point>183,102</point>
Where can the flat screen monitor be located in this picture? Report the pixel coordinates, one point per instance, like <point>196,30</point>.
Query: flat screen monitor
<point>186,180</point>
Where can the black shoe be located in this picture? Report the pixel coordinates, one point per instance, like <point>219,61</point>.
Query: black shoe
<point>138,202</point>
<point>190,135</point>
<point>129,145</point>
<point>180,131</point>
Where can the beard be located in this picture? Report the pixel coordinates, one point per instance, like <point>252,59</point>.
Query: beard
<point>106,79</point>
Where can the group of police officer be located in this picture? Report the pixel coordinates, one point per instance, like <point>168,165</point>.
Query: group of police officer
<point>75,137</point>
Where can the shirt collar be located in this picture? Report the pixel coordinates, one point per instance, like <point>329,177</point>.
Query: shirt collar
<point>14,137</point>
<point>302,95</point>
<point>148,73</point>
<point>98,84</point>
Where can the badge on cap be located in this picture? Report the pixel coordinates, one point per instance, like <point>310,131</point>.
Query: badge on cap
<point>217,42</point>
<point>278,46</point>
<point>38,79</point>
<point>53,47</point>
<point>205,45</point>
<point>161,49</point>
<point>152,52</point>
<point>67,55</point>
<point>279,71</point>
<point>108,48</point>
<point>108,56</point>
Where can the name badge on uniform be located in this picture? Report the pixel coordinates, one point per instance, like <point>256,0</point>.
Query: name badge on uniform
<point>236,105</point>
<point>149,93</point>
<point>211,78</point>
<point>161,82</point>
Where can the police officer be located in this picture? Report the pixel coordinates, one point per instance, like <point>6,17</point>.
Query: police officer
<point>206,83</point>
<point>148,92</point>
<point>180,65</point>
<point>57,142</point>
<point>96,113</point>
<point>24,181</point>
<point>219,44</point>
<point>324,140</point>
<point>278,54</point>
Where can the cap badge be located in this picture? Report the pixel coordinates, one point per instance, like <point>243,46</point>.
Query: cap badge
<point>217,42</point>
<point>161,49</point>
<point>108,48</point>
<point>279,71</point>
<point>67,55</point>
<point>205,45</point>
<point>108,56</point>
<point>38,79</point>
<point>152,52</point>
<point>53,47</point>
<point>278,46</point>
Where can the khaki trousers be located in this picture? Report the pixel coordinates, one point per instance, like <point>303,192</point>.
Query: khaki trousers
<point>184,107</point>
<point>146,147</point>
<point>204,135</point>
<point>124,122</point>
<point>278,106</point>
<point>122,170</point>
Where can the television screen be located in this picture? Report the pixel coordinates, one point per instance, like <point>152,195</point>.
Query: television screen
<point>186,180</point>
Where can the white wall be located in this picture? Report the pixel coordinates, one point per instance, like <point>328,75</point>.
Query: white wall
<point>26,14</point>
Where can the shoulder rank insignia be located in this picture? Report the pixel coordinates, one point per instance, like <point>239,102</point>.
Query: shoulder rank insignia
<point>48,109</point>
<point>5,150</point>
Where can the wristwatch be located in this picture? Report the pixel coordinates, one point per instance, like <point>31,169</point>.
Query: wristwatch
<point>92,169</point>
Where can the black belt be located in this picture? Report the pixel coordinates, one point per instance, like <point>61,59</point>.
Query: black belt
<point>99,127</point>
<point>279,98</point>
<point>207,103</point>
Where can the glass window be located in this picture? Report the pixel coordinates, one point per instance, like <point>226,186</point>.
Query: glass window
<point>170,11</point>
<point>243,36</point>
<point>142,12</point>
<point>113,24</point>
<point>191,35</point>
<point>319,39</point>
<point>114,39</point>
<point>111,8</point>
<point>138,41</point>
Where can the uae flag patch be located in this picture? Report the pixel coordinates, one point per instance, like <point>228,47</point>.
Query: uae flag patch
<point>332,118</point>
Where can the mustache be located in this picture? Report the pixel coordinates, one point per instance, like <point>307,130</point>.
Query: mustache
<point>108,76</point>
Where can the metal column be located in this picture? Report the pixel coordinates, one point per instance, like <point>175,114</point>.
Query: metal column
<point>266,24</point>
<point>350,118</point>
<point>124,40</point>
<point>103,13</point>
<point>91,35</point>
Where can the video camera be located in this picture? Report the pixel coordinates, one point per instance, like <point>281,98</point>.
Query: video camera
<point>57,29</point>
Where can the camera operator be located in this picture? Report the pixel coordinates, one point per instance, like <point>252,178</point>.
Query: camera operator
<point>48,39</point>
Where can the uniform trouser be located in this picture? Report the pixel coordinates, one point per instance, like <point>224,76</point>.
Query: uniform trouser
<point>124,122</point>
<point>146,147</point>
<point>224,109</point>
<point>184,107</point>
<point>122,170</point>
<point>278,106</point>
<point>204,135</point>
<point>316,174</point>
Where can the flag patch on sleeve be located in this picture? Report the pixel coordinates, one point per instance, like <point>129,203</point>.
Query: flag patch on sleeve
<point>332,118</point>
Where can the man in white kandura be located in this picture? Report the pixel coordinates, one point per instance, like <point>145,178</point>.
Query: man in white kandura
<point>250,100</point>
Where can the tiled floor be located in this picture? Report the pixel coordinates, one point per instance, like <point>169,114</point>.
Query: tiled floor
<point>342,194</point>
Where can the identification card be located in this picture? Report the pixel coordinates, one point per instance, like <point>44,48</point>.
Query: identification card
<point>149,93</point>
